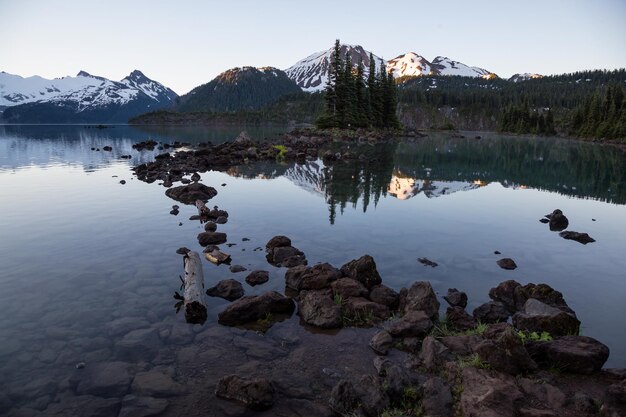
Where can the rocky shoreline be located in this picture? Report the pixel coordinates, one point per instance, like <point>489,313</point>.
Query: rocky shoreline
<point>519,354</point>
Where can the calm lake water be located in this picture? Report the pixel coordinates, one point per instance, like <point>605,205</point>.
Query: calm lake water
<point>85,261</point>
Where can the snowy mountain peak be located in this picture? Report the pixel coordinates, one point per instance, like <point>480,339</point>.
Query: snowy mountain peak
<point>409,64</point>
<point>311,73</point>
<point>524,77</point>
<point>446,66</point>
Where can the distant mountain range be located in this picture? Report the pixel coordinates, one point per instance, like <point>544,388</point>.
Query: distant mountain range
<point>87,98</point>
<point>82,99</point>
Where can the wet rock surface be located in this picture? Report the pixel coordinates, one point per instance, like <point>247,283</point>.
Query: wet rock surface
<point>583,238</point>
<point>578,354</point>
<point>228,289</point>
<point>257,277</point>
<point>252,308</point>
<point>257,393</point>
<point>188,194</point>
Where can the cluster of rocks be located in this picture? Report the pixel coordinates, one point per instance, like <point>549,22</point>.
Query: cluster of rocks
<point>492,370</point>
<point>558,223</point>
<point>295,146</point>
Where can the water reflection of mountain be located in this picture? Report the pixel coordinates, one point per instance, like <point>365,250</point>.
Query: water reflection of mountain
<point>435,167</point>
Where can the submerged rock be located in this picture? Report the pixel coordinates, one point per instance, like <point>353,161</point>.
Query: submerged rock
<point>228,289</point>
<point>257,277</point>
<point>257,307</point>
<point>583,238</point>
<point>257,394</point>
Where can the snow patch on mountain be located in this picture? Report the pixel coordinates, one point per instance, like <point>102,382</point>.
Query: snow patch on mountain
<point>446,66</point>
<point>524,77</point>
<point>409,64</point>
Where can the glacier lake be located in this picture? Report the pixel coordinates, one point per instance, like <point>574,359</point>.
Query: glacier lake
<point>88,266</point>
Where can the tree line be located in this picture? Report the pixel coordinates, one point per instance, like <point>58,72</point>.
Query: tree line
<point>354,101</point>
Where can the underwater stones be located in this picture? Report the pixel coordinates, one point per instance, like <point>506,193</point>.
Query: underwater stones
<point>257,393</point>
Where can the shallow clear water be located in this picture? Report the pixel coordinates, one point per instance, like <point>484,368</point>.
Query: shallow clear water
<point>79,251</point>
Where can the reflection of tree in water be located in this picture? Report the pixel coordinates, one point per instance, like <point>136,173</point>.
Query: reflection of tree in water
<point>440,166</point>
<point>571,168</point>
<point>345,182</point>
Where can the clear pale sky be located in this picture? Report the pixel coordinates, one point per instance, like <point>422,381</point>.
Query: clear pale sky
<point>183,44</point>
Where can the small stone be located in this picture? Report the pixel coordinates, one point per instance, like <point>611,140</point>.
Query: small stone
<point>123,182</point>
<point>257,277</point>
<point>456,298</point>
<point>228,289</point>
<point>507,263</point>
<point>80,365</point>
<point>583,238</point>
<point>427,262</point>
<point>237,268</point>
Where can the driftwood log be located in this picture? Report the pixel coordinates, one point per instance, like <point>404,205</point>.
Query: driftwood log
<point>203,210</point>
<point>194,293</point>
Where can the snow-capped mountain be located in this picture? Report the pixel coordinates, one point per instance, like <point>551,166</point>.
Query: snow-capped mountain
<point>311,73</point>
<point>84,98</point>
<point>445,66</point>
<point>409,64</point>
<point>524,77</point>
<point>403,187</point>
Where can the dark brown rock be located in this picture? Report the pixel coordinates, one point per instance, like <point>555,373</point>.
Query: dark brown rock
<point>583,238</point>
<point>578,354</point>
<point>257,394</point>
<point>505,293</point>
<point>317,308</point>
<point>384,295</point>
<point>456,298</point>
<point>420,297</point>
<point>437,398</point>
<point>462,345</point>
<point>188,194</point>
<point>252,308</point>
<point>434,353</point>
<point>491,312</point>
<point>540,317</point>
<point>557,221</point>
<point>293,277</point>
<point>211,238</point>
<point>460,319</point>
<point>363,270</point>
<point>319,276</point>
<point>489,394</point>
<point>257,277</point>
<point>507,263</point>
<point>228,289</point>
<point>413,323</point>
<point>381,342</point>
<point>506,354</point>
<point>344,398</point>
<point>348,287</point>
<point>363,309</point>
<point>277,241</point>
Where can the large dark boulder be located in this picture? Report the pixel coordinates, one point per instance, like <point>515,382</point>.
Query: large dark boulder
<point>489,394</point>
<point>456,298</point>
<point>437,398</point>
<point>557,221</point>
<point>348,287</point>
<point>491,312</point>
<point>578,354</point>
<point>434,353</point>
<point>420,297</point>
<point>381,342</point>
<point>228,289</point>
<point>506,354</point>
<point>257,394</point>
<point>382,294</point>
<point>413,323</point>
<point>363,270</point>
<point>506,294</point>
<point>540,317</point>
<point>277,241</point>
<point>317,308</point>
<point>460,319</point>
<point>363,310</point>
<point>286,256</point>
<point>252,308</point>
<point>188,194</point>
<point>211,238</point>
